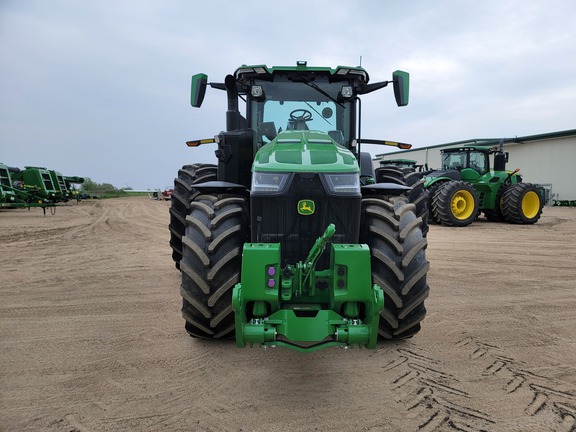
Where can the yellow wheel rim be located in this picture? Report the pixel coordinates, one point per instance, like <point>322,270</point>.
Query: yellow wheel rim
<point>530,204</point>
<point>462,205</point>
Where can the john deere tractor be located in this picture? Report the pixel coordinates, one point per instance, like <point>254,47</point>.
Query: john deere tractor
<point>466,185</point>
<point>289,240</point>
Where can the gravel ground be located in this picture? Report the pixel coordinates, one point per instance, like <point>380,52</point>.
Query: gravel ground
<point>91,337</point>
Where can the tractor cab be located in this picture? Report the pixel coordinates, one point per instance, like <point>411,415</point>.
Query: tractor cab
<point>466,163</point>
<point>285,99</point>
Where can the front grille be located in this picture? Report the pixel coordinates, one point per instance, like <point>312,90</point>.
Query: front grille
<point>275,219</point>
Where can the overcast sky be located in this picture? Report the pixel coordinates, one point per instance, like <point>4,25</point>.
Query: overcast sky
<point>101,88</point>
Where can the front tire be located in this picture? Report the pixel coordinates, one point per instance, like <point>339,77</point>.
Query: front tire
<point>393,232</point>
<point>455,203</point>
<point>431,191</point>
<point>216,231</point>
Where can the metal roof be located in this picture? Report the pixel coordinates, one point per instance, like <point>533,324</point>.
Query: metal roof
<point>491,141</point>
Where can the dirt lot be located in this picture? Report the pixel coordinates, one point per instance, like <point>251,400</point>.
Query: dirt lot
<point>91,337</point>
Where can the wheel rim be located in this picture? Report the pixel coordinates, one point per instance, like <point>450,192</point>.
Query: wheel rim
<point>462,205</point>
<point>530,204</point>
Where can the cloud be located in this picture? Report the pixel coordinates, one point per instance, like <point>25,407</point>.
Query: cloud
<point>101,89</point>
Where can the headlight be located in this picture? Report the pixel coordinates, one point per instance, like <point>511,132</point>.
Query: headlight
<point>342,184</point>
<point>270,183</point>
<point>347,92</point>
<point>257,91</point>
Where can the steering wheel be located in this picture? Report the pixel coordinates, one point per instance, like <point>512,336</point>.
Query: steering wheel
<point>300,115</point>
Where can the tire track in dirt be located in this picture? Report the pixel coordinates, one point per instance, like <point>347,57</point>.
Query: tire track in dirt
<point>442,400</point>
<point>91,338</point>
<point>545,394</point>
<point>434,395</point>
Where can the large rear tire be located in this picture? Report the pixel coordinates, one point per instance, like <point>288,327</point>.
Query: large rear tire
<point>216,231</point>
<point>455,203</point>
<point>182,194</point>
<point>393,232</point>
<point>522,204</point>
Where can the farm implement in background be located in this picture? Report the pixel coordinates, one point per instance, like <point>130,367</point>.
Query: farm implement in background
<point>35,187</point>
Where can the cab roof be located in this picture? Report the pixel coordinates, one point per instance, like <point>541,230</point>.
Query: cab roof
<point>356,73</point>
<point>467,148</point>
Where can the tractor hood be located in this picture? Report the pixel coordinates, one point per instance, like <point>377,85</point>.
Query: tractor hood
<point>304,151</point>
<point>449,173</point>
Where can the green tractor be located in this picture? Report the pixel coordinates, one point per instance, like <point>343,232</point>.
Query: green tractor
<point>290,240</point>
<point>401,163</point>
<point>466,185</point>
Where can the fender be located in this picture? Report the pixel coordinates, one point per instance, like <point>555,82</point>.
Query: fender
<point>386,188</point>
<point>220,186</point>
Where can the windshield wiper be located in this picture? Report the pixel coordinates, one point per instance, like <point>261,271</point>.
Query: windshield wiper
<point>316,111</point>
<point>309,83</point>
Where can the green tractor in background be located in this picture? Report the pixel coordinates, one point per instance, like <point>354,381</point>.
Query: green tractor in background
<point>290,240</point>
<point>401,163</point>
<point>466,185</point>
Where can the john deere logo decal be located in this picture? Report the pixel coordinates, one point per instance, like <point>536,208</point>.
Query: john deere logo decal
<point>306,207</point>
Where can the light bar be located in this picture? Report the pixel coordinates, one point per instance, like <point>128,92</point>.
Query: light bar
<point>400,145</point>
<point>350,71</point>
<point>197,143</point>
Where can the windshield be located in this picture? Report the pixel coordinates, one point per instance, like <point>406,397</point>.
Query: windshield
<point>453,161</point>
<point>478,161</point>
<point>290,105</point>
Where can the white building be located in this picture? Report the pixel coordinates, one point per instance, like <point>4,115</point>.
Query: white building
<point>546,159</point>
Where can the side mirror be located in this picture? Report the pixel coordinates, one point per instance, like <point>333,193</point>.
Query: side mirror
<point>401,81</point>
<point>198,89</point>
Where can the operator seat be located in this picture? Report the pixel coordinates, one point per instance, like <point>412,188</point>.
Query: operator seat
<point>268,129</point>
<point>297,125</point>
